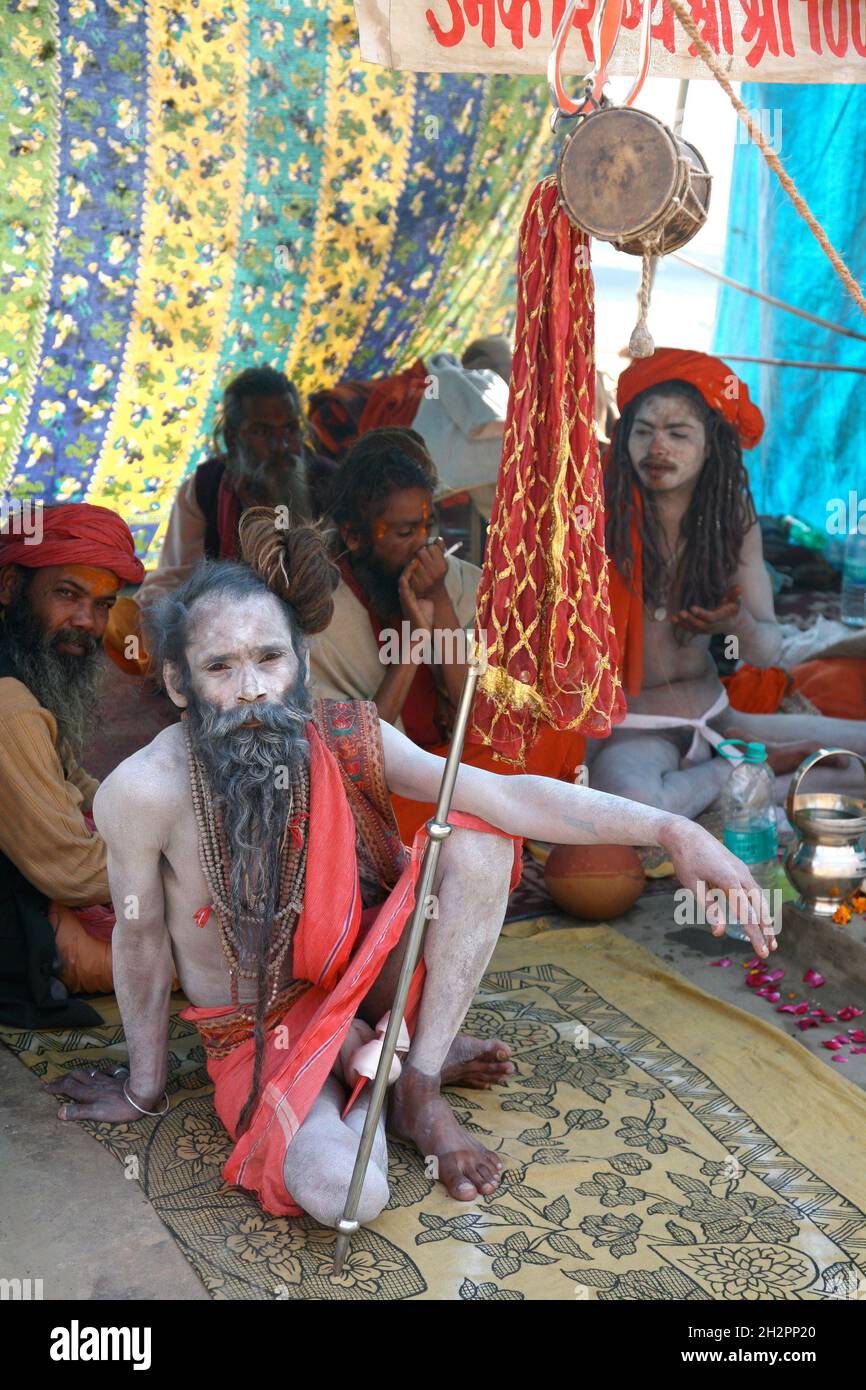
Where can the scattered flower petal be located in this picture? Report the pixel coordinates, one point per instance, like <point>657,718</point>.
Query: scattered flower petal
<point>750,964</point>
<point>787,1009</point>
<point>841,1039</point>
<point>842,915</point>
<point>831,1044</point>
<point>857,1035</point>
<point>838,1059</point>
<point>849,1012</point>
<point>775,974</point>
<point>858,1049</point>
<point>726,961</point>
<point>813,979</point>
<point>756,979</point>
<point>858,902</point>
<point>805,1023</point>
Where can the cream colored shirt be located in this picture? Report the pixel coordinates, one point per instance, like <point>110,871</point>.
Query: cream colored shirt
<point>42,828</point>
<point>345,660</point>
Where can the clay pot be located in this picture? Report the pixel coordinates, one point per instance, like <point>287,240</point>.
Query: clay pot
<point>594,882</point>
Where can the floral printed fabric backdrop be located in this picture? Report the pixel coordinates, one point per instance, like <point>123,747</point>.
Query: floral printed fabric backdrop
<point>188,188</point>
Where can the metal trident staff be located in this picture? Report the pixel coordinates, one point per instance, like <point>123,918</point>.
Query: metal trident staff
<point>438,830</point>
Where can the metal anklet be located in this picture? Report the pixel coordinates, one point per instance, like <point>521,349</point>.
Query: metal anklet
<point>157,1113</point>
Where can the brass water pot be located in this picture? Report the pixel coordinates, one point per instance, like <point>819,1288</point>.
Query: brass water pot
<point>828,860</point>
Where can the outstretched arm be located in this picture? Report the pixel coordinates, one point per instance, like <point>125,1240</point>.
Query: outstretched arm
<point>141,955</point>
<point>543,808</point>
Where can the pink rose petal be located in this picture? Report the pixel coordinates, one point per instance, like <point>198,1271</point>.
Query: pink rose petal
<point>775,974</point>
<point>774,996</point>
<point>813,979</point>
<point>858,1049</point>
<point>750,964</point>
<point>841,1039</point>
<point>849,1012</point>
<point>838,1059</point>
<point>857,1035</point>
<point>805,1023</point>
<point>831,1044</point>
<point>802,1008</point>
<point>756,979</point>
<point>789,1009</point>
<point>726,961</point>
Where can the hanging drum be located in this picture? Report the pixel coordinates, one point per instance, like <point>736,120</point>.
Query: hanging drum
<point>624,177</point>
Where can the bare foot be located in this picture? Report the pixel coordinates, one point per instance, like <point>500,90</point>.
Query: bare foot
<point>419,1113</point>
<point>476,1063</point>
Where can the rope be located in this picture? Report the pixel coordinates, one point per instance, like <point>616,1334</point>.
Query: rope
<point>784,362</point>
<point>771,157</point>
<point>640,344</point>
<point>769,298</point>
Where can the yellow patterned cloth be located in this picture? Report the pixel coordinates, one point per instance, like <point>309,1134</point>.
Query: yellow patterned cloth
<point>191,189</point>
<point>657,1143</point>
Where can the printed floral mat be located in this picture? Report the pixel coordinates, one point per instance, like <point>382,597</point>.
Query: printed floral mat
<point>658,1144</point>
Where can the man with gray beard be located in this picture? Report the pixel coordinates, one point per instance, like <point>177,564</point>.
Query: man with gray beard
<point>264,457</point>
<point>56,593</point>
<point>253,845</point>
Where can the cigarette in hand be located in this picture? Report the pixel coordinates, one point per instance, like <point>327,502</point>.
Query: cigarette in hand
<point>453,550</point>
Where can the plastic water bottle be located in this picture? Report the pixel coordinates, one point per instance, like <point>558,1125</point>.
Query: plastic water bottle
<point>749,815</point>
<point>854,582</point>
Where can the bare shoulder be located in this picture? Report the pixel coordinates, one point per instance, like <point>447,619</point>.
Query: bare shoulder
<point>146,790</point>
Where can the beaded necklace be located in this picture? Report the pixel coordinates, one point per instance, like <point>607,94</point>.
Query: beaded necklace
<point>216,866</point>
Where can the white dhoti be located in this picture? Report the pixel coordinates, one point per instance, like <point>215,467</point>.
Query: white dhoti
<point>704,739</point>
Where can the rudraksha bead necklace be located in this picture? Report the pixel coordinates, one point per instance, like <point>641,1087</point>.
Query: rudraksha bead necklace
<point>216,866</point>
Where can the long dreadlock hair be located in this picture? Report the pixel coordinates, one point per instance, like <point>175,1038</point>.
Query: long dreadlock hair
<point>719,514</point>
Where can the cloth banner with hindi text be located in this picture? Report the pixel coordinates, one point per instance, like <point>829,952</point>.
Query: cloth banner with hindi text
<point>758,40</point>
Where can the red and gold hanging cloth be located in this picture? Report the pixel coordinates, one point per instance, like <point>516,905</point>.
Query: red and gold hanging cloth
<point>543,599</point>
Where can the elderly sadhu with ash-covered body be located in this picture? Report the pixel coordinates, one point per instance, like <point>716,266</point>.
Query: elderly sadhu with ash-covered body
<point>686,563</point>
<point>56,594</point>
<point>257,839</point>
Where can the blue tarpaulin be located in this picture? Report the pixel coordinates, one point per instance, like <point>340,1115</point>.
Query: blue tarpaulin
<point>814,448</point>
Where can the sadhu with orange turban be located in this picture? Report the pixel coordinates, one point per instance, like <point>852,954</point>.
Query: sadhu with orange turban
<point>720,511</point>
<point>60,569</point>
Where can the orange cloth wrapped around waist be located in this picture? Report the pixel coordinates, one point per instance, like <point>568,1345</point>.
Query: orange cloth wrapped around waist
<point>335,963</point>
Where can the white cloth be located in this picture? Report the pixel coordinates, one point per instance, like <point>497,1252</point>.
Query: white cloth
<point>463,425</point>
<point>704,739</point>
<point>802,644</point>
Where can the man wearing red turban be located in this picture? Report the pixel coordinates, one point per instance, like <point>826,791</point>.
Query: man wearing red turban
<point>60,569</point>
<point>686,564</point>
